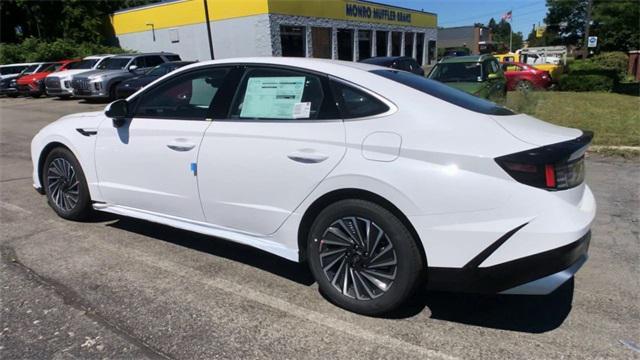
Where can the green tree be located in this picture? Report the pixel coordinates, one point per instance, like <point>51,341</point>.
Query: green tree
<point>617,24</point>
<point>76,20</point>
<point>565,22</point>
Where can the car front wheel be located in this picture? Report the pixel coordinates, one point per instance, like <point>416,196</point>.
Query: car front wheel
<point>363,257</point>
<point>65,185</point>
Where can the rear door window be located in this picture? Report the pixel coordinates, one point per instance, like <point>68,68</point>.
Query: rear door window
<point>282,94</point>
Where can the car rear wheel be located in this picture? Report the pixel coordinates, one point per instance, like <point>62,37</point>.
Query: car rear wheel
<point>524,86</point>
<point>65,185</point>
<point>363,257</point>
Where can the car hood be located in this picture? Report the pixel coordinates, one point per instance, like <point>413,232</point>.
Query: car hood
<point>139,81</point>
<point>33,77</point>
<point>470,87</point>
<point>103,73</point>
<point>68,73</point>
<point>533,131</point>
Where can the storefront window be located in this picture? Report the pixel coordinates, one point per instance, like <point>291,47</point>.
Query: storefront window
<point>321,40</point>
<point>431,51</point>
<point>345,44</point>
<point>408,44</point>
<point>396,43</point>
<point>419,47</point>
<point>381,43</point>
<point>292,39</point>
<point>364,44</point>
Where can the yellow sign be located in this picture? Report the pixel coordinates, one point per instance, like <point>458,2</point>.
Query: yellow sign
<point>188,12</point>
<point>540,31</point>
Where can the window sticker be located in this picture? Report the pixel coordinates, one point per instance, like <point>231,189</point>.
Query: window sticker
<point>302,110</point>
<point>273,98</point>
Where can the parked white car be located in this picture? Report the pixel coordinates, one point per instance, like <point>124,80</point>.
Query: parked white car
<point>378,179</point>
<point>59,83</point>
<point>13,70</point>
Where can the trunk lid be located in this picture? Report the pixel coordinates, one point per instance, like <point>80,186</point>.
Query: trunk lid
<point>535,132</point>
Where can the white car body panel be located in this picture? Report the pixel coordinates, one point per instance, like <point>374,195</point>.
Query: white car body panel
<point>431,160</point>
<point>248,153</point>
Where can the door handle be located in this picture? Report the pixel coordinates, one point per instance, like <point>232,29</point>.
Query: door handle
<point>307,156</point>
<point>180,145</point>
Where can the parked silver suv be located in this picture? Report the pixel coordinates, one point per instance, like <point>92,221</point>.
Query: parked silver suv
<point>101,82</point>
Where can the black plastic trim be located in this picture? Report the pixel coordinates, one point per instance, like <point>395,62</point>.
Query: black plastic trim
<point>480,258</point>
<point>497,278</point>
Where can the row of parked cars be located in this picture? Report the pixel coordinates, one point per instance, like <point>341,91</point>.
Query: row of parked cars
<point>105,77</point>
<point>485,76</point>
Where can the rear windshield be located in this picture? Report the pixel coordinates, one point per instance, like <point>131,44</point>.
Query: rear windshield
<point>444,92</point>
<point>84,64</point>
<point>114,63</point>
<point>457,72</point>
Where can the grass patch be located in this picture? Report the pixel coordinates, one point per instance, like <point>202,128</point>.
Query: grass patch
<point>614,118</point>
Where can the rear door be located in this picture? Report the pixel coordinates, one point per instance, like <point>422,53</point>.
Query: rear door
<point>281,137</point>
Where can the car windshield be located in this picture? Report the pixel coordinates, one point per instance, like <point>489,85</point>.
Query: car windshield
<point>457,72</point>
<point>160,70</point>
<point>7,70</point>
<point>114,63</point>
<point>444,92</point>
<point>51,68</point>
<point>84,64</point>
<point>30,69</point>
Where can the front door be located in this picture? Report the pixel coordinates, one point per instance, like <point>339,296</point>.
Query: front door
<point>281,137</point>
<point>149,162</point>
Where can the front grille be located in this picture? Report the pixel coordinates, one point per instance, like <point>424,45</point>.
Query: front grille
<point>80,84</point>
<point>52,82</point>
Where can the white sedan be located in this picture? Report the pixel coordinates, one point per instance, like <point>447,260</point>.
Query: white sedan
<point>380,180</point>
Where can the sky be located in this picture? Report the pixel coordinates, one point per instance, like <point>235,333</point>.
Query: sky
<point>467,12</point>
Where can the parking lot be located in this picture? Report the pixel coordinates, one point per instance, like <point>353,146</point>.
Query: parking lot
<point>117,287</point>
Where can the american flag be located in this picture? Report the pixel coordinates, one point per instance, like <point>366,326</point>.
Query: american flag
<point>507,16</point>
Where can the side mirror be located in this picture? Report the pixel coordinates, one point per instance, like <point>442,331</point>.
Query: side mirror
<point>117,111</point>
<point>133,68</point>
<point>492,76</point>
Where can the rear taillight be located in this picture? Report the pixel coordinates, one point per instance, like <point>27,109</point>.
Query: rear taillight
<point>553,167</point>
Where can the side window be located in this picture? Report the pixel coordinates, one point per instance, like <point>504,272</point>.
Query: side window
<point>187,96</point>
<point>139,62</point>
<point>152,61</point>
<point>356,103</point>
<point>269,93</point>
<point>173,57</point>
<point>495,67</point>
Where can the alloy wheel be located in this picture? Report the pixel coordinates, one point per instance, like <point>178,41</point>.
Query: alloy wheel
<point>358,258</point>
<point>63,184</point>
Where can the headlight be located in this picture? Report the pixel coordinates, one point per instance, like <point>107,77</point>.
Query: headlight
<point>96,79</point>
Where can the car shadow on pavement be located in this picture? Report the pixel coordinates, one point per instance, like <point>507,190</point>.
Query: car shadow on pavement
<point>219,247</point>
<point>523,313</point>
<point>531,314</point>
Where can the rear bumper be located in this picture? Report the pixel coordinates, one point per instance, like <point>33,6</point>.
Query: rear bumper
<point>537,274</point>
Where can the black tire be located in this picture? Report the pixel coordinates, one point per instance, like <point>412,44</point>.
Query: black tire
<point>524,86</point>
<point>60,173</point>
<point>396,244</point>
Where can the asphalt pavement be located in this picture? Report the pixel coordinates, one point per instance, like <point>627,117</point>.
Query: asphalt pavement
<point>117,287</point>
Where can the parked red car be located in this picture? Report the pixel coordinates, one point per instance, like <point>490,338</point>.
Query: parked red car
<point>525,77</point>
<point>33,84</point>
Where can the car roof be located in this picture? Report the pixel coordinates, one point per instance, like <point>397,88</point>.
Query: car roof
<point>383,59</point>
<point>143,54</point>
<point>100,56</point>
<point>20,64</point>
<point>467,59</point>
<point>312,64</point>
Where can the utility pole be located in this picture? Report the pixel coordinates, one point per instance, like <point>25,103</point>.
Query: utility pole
<point>206,16</point>
<point>587,28</point>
